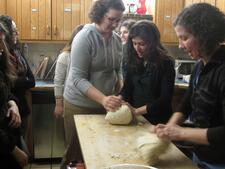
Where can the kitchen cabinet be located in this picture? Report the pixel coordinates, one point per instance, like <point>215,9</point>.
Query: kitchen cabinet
<point>2,7</point>
<point>164,17</point>
<point>221,5</point>
<point>48,19</point>
<point>189,2</point>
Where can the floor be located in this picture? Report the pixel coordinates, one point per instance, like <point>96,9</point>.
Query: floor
<point>41,165</point>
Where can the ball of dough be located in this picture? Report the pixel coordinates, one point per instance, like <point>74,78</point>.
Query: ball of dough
<point>122,116</point>
<point>150,147</point>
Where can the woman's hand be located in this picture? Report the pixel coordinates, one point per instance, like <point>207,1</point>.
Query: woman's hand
<point>20,156</point>
<point>13,113</point>
<point>112,103</point>
<point>58,108</point>
<point>171,132</point>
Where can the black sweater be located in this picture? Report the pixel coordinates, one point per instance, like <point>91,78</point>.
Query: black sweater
<point>154,88</point>
<point>204,102</point>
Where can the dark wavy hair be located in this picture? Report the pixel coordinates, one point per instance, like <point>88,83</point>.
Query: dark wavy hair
<point>206,23</point>
<point>5,66</point>
<point>149,33</point>
<point>7,21</point>
<point>101,7</point>
<point>128,23</point>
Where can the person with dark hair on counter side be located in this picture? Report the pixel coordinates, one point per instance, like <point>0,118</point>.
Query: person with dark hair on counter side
<point>11,156</point>
<point>149,83</point>
<point>95,73</point>
<point>124,33</point>
<point>25,79</point>
<point>201,31</point>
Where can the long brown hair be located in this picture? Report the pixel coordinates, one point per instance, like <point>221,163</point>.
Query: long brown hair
<point>5,66</point>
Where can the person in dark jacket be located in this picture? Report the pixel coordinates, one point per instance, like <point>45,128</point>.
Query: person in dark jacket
<point>25,79</point>
<point>149,83</point>
<point>201,30</point>
<point>11,156</point>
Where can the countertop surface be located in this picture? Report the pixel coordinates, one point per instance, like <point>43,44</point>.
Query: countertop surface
<point>43,85</point>
<point>103,144</point>
<point>49,85</point>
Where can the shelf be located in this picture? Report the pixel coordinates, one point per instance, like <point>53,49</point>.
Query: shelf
<point>137,16</point>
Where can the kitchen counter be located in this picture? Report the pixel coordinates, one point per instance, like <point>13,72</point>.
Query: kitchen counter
<point>49,85</point>
<point>180,83</point>
<point>43,85</point>
<point>103,144</point>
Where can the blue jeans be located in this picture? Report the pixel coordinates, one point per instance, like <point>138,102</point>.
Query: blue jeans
<point>204,165</point>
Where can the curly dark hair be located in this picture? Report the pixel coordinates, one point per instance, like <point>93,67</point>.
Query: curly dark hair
<point>149,33</point>
<point>101,7</point>
<point>206,23</point>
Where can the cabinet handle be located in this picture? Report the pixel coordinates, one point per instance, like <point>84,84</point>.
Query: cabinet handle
<point>34,28</point>
<point>55,30</point>
<point>167,17</point>
<point>48,30</point>
<point>34,10</point>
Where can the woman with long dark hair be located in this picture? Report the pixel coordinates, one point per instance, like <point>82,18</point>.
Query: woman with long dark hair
<point>11,156</point>
<point>149,83</point>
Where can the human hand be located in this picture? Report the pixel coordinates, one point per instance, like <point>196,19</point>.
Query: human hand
<point>171,132</point>
<point>58,112</point>
<point>112,103</point>
<point>20,156</point>
<point>13,113</point>
<point>132,109</point>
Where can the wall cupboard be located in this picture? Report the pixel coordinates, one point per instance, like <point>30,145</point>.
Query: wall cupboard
<point>54,20</point>
<point>164,17</point>
<point>2,7</point>
<point>189,2</point>
<point>47,19</point>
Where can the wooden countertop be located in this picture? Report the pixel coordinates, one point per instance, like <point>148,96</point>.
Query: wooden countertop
<point>103,144</point>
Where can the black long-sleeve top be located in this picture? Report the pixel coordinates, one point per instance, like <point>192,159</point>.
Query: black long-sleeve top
<point>25,80</point>
<point>9,137</point>
<point>154,88</point>
<point>204,103</point>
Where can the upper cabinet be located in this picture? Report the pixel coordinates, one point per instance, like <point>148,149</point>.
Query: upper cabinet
<point>221,5</point>
<point>164,17</point>
<point>48,19</point>
<point>189,2</point>
<point>2,7</point>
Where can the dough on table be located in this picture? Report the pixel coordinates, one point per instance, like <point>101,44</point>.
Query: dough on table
<point>150,147</point>
<point>122,116</point>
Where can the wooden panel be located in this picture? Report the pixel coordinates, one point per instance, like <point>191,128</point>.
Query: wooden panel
<point>26,20</point>
<point>212,2</point>
<point>44,24</point>
<point>11,9</point>
<point>88,5</point>
<point>77,13</point>
<point>2,7</point>
<point>221,5</point>
<point>34,19</point>
<point>67,25</point>
<point>165,15</point>
<point>57,19</point>
<point>19,17</point>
